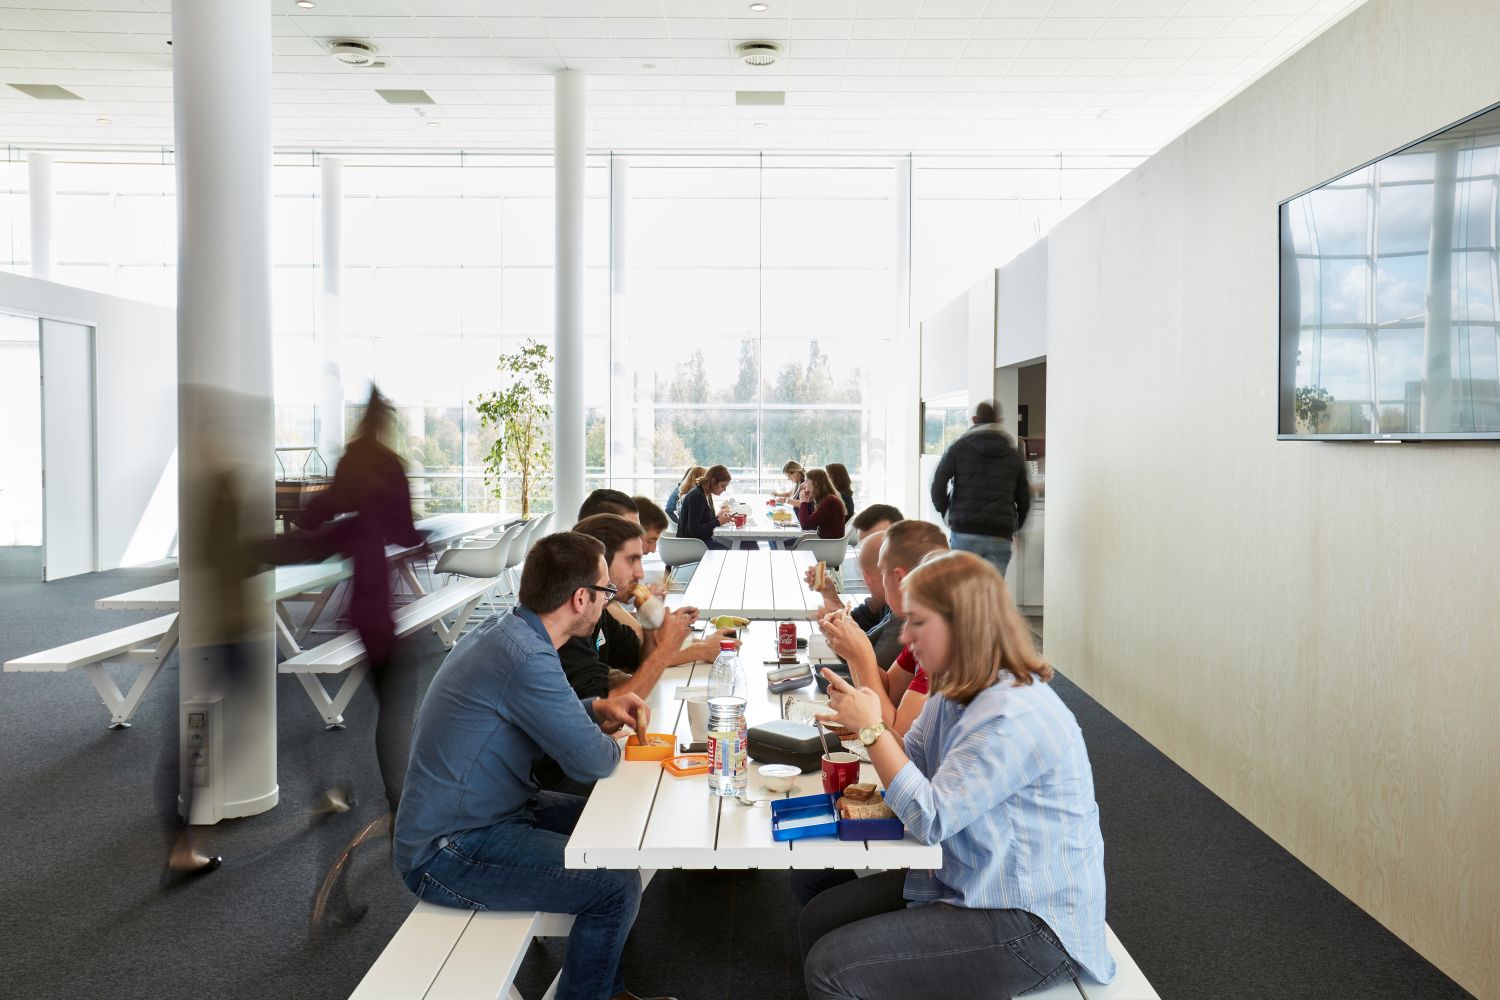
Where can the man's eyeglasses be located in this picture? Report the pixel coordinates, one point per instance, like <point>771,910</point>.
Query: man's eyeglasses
<point>608,592</point>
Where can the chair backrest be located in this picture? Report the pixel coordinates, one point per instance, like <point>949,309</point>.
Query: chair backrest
<point>482,560</point>
<point>825,550</point>
<point>680,551</point>
<point>511,539</point>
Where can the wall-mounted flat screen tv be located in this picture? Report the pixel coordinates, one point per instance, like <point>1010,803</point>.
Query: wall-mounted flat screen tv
<point>1390,295</point>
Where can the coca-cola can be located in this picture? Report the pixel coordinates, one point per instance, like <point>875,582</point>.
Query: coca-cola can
<point>786,639</point>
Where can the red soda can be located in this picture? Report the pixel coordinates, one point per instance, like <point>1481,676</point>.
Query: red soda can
<point>786,639</point>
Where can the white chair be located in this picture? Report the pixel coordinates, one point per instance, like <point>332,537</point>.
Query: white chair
<point>830,551</point>
<point>487,559</point>
<point>680,551</point>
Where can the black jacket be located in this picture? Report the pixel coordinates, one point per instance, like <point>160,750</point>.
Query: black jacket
<point>696,517</point>
<point>989,492</point>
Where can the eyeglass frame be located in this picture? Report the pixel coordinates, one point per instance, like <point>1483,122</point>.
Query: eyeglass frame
<point>611,591</point>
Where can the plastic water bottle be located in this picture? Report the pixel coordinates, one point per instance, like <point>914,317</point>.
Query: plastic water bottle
<point>728,773</point>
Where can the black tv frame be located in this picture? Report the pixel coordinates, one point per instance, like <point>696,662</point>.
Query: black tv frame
<point>1402,437</point>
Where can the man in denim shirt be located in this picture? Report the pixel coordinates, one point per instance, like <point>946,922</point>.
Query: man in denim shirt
<point>473,831</point>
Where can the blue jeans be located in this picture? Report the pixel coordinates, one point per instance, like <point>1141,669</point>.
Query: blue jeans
<point>517,864</point>
<point>991,547</point>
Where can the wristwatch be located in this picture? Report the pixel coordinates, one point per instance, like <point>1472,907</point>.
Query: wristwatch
<point>869,734</point>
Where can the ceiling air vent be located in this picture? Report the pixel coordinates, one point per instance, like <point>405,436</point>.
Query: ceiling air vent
<point>757,53</point>
<point>406,96</point>
<point>354,52</point>
<point>45,91</point>
<point>760,98</point>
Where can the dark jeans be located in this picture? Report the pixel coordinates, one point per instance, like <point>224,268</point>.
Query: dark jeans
<point>860,940</point>
<point>518,865</point>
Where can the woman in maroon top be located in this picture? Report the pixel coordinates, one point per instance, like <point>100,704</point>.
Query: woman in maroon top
<point>820,508</point>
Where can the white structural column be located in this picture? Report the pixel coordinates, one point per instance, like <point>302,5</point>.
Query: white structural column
<point>905,436</point>
<point>223,138</point>
<point>569,117</point>
<point>330,312</point>
<point>39,170</point>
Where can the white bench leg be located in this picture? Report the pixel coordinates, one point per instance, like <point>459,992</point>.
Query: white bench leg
<point>332,709</point>
<point>122,706</point>
<point>450,633</point>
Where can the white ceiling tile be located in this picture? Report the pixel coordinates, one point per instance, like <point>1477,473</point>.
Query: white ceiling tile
<point>1006,27</point>
<point>823,48</point>
<point>889,8</point>
<point>1069,27</point>
<point>417,64</point>
<point>652,49</point>
<point>1193,27</point>
<point>386,27</point>
<point>483,67</point>
<point>513,27</point>
<point>946,27</point>
<point>700,48</point>
<point>1212,8</point>
<point>468,47</point>
<point>1152,67</point>
<point>575,27</point>
<point>1052,48</point>
<point>984,67</point>
<point>935,48</point>
<point>873,67</point>
<point>953,8</point>
<point>49,41</point>
<point>393,8</point>
<point>821,27</point>
<point>1238,48</point>
<point>64,20</point>
<point>697,27</point>
<point>819,8</point>
<point>453,27</point>
<point>397,47</point>
<point>1019,8</point>
<point>636,27</point>
<point>1255,27</point>
<point>870,48</point>
<point>1170,47</point>
<point>1064,9</point>
<point>928,67</point>
<point>994,48</point>
<point>327,26</point>
<point>1216,67</point>
<point>1096,67</point>
<point>535,48</point>
<point>1111,47</point>
<point>882,27</point>
<point>1039,67</point>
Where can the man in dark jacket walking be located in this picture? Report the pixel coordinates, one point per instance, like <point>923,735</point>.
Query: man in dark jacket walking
<point>980,487</point>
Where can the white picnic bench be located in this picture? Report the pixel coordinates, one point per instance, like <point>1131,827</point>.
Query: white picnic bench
<point>145,643</point>
<point>346,652</point>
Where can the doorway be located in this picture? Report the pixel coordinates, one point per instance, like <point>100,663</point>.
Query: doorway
<point>21,397</point>
<point>70,517</point>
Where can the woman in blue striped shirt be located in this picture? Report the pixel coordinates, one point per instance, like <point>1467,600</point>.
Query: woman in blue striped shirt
<point>994,770</point>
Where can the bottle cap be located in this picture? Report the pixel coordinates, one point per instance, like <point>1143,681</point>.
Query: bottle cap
<point>726,644</point>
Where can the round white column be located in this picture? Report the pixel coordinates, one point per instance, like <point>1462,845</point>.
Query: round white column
<point>569,117</point>
<point>39,171</point>
<point>330,322</point>
<point>225,430</point>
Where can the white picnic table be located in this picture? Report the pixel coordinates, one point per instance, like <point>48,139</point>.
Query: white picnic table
<point>769,585</point>
<point>641,817</point>
<point>316,582</point>
<point>758,524</point>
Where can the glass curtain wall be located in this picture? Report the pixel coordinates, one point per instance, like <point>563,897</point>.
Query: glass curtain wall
<point>740,310</point>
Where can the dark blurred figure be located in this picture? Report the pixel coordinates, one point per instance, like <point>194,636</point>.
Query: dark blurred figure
<point>367,508</point>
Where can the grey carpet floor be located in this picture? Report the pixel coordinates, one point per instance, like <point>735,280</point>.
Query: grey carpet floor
<point>1208,906</point>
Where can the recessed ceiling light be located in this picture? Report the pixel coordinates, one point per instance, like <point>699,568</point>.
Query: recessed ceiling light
<point>434,124</point>
<point>760,124</point>
<point>105,121</point>
<point>758,7</point>
<point>648,65</point>
<point>304,3</point>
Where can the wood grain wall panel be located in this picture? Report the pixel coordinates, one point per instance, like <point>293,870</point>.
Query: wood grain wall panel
<point>1309,629</point>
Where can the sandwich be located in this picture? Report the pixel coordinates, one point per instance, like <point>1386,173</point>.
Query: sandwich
<point>820,575</point>
<point>873,809</point>
<point>641,593</point>
<point>860,793</point>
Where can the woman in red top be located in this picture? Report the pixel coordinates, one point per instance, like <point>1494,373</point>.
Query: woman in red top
<point>820,508</point>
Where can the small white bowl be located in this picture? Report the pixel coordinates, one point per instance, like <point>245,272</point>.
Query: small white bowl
<point>778,777</point>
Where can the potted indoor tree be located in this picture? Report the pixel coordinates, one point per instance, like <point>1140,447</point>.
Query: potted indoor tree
<point>521,414</point>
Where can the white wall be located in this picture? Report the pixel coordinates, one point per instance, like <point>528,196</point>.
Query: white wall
<point>1021,326</point>
<point>1307,628</point>
<point>136,404</point>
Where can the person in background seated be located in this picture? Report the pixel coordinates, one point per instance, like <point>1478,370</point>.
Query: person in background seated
<point>688,481</point>
<point>995,771</point>
<point>842,485</point>
<point>473,831</point>
<point>696,515</point>
<point>819,507</point>
<point>876,517</point>
<point>903,688</point>
<point>796,476</point>
<point>653,519</point>
<point>873,615</point>
<point>606,501</point>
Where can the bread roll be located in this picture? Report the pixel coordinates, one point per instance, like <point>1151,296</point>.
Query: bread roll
<point>863,792</point>
<point>874,809</point>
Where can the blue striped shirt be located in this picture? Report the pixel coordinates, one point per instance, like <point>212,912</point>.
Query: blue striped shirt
<point>1004,785</point>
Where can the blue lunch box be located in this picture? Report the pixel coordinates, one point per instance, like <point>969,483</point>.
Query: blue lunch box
<point>816,816</point>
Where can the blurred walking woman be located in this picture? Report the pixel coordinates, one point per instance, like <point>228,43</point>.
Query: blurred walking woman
<point>697,516</point>
<point>994,770</point>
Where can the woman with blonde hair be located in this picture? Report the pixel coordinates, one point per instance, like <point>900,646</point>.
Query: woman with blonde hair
<point>819,507</point>
<point>688,481</point>
<point>994,770</point>
<point>796,475</point>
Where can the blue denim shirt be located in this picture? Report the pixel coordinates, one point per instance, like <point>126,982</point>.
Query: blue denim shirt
<point>1004,784</point>
<point>496,705</point>
<point>670,507</point>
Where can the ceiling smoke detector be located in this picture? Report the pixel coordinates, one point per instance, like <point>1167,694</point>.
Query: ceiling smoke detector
<point>353,51</point>
<point>757,53</point>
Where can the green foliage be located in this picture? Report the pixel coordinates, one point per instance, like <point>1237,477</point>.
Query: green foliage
<point>521,417</point>
<point>1312,407</point>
